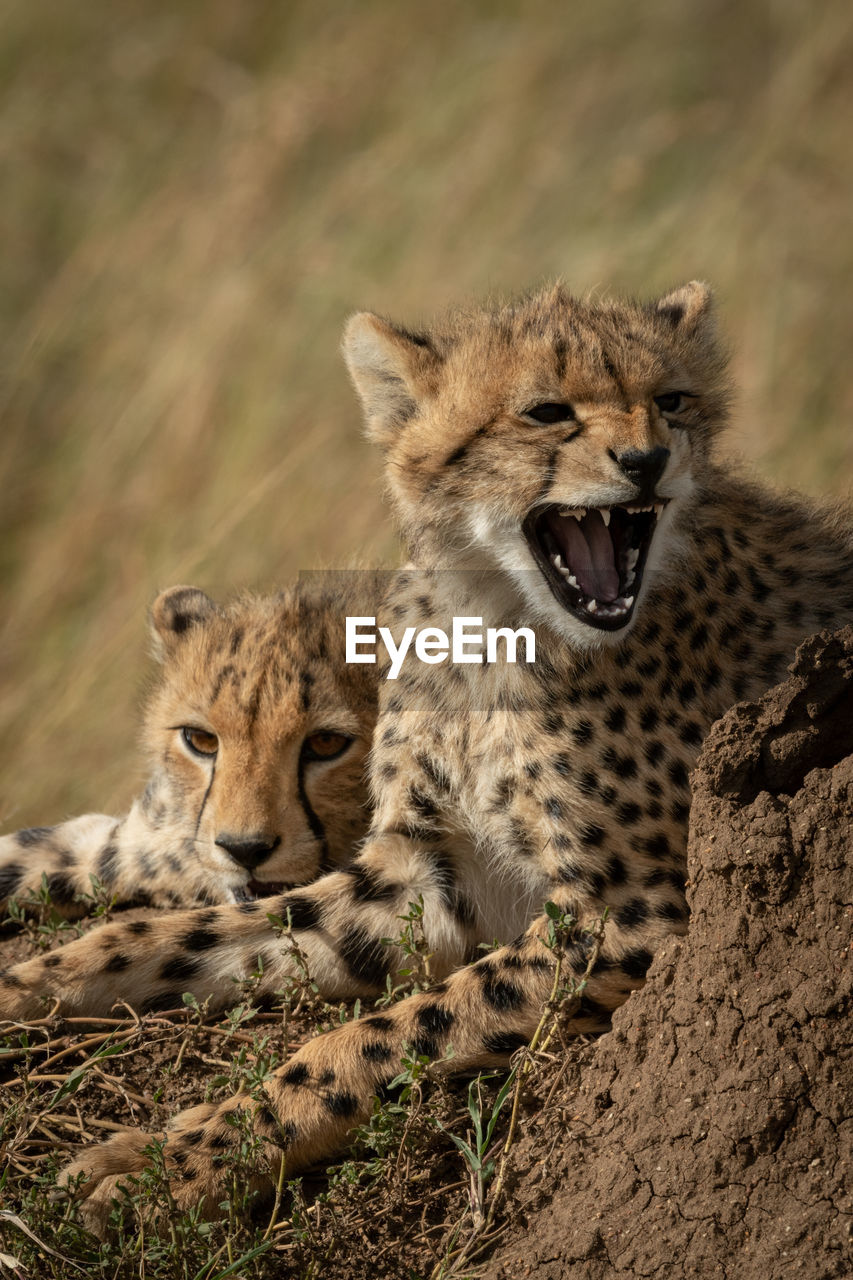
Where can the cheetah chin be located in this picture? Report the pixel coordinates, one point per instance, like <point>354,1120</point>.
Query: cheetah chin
<point>593,558</point>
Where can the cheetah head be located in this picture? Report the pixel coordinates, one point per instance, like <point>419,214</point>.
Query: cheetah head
<point>554,440</point>
<point>258,733</point>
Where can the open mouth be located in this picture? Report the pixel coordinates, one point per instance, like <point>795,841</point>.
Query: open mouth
<point>593,558</point>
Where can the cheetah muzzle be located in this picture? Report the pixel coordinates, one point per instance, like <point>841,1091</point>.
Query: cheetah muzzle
<point>593,559</point>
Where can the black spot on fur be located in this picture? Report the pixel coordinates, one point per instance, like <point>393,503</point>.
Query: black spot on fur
<point>378,1022</point>
<point>686,693</point>
<point>52,961</point>
<point>138,927</point>
<point>178,969</point>
<point>562,765</point>
<point>368,887</point>
<point>632,913</point>
<point>342,1105</point>
<point>678,774</point>
<point>634,964</point>
<point>304,912</point>
<point>117,963</point>
<point>628,813</point>
<point>649,718</point>
<point>583,731</point>
<point>199,940</point>
<point>588,783</point>
<point>327,1077</point>
<point>60,888</point>
<point>32,835</point>
<point>505,1043</point>
<point>622,765</point>
<point>616,871</point>
<point>192,1138</point>
<point>653,751</point>
<point>463,910</point>
<point>106,867</point>
<point>10,878</point>
<point>434,1019</point>
<point>615,719</point>
<point>296,1074</point>
<point>674,911</point>
<point>657,845</point>
<point>591,834</point>
<point>501,995</point>
<point>364,957</point>
<point>376,1051</point>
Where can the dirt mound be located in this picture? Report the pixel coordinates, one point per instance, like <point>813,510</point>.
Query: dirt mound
<point>713,1132</point>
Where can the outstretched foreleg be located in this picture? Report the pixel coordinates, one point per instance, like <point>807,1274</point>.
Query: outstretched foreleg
<point>478,1017</point>
<point>341,926</point>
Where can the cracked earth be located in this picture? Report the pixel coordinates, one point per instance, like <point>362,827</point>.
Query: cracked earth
<point>711,1132</point>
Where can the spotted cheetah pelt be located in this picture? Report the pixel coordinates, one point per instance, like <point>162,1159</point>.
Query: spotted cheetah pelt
<point>257,735</point>
<point>549,462</point>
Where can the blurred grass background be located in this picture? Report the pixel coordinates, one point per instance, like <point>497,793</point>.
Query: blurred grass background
<point>194,197</point>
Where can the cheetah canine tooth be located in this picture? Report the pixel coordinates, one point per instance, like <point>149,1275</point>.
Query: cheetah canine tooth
<point>605,515</point>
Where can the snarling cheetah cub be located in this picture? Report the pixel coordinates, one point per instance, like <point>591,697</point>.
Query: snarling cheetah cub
<point>257,735</point>
<point>550,465</point>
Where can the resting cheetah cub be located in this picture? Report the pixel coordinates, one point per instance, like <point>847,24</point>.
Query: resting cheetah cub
<point>257,735</point>
<point>550,465</point>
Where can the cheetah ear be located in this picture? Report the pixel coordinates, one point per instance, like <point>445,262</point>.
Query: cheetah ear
<point>174,612</point>
<point>690,307</point>
<point>392,370</point>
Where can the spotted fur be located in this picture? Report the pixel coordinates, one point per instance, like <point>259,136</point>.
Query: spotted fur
<point>260,679</point>
<point>498,788</point>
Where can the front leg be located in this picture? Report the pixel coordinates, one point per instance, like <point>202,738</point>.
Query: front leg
<point>477,1018</point>
<point>134,860</point>
<point>339,923</point>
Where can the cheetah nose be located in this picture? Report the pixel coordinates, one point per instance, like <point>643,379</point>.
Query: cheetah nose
<point>644,468</point>
<point>250,851</point>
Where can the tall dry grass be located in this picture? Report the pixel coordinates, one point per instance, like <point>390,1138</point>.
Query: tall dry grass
<point>195,196</point>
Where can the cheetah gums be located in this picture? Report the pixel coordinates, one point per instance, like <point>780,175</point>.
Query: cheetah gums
<point>550,465</point>
<point>257,735</point>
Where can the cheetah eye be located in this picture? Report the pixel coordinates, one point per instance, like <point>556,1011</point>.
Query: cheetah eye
<point>199,741</point>
<point>550,412</point>
<point>672,401</point>
<point>325,745</point>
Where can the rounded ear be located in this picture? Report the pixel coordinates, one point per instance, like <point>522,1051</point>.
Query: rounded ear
<point>391,369</point>
<point>176,611</point>
<point>687,306</point>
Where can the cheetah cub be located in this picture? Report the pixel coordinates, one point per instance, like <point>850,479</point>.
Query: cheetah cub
<point>550,465</point>
<point>257,734</point>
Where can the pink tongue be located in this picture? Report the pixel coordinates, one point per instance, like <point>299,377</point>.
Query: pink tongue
<point>590,556</point>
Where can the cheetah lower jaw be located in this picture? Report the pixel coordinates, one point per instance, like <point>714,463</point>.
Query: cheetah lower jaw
<point>593,558</point>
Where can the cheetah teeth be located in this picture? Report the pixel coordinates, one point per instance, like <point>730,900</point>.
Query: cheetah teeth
<point>613,610</point>
<point>605,512</point>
